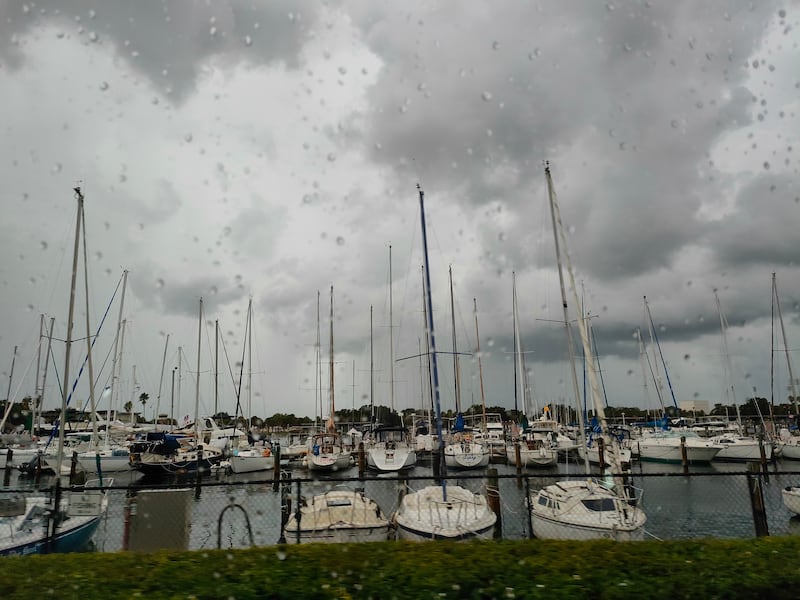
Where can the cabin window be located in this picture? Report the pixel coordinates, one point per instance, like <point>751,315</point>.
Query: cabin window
<point>599,504</point>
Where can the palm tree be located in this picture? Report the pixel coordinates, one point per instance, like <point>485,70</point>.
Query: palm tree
<point>143,398</point>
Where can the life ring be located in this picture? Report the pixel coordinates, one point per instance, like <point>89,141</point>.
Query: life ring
<point>266,452</point>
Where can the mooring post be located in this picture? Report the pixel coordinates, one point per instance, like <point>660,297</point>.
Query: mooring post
<point>763,454</point>
<point>684,456</point>
<point>528,507</point>
<point>754,485</point>
<point>493,499</point>
<point>518,463</point>
<point>298,513</point>
<point>362,462</point>
<point>198,473</point>
<point>276,467</point>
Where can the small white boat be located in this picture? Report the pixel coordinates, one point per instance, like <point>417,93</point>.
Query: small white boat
<point>391,450</point>
<point>584,510</point>
<point>326,452</point>
<point>666,447</point>
<point>738,448</point>
<point>444,512</point>
<point>251,459</point>
<point>113,459</point>
<point>536,450</point>
<point>337,516</point>
<point>791,498</point>
<point>464,452</point>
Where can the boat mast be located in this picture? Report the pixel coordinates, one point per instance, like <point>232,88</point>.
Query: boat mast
<point>567,329</point>
<point>480,366</point>
<point>116,367</point>
<point>331,422</point>
<point>46,366</point>
<point>216,365</point>
<point>160,383</point>
<point>89,342</point>
<point>197,439</point>
<point>723,326</point>
<point>437,404</point>
<point>249,363</point>
<point>785,345</point>
<point>391,336</point>
<point>456,370</point>
<point>68,340</point>
<point>371,373</point>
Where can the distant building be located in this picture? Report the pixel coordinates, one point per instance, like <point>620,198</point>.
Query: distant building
<point>694,406</point>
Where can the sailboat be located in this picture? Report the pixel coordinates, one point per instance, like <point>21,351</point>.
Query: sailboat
<point>36,523</point>
<point>537,447</point>
<point>736,447</point>
<point>179,453</point>
<point>250,457</point>
<point>326,452</point>
<point>390,449</point>
<point>667,444</point>
<point>789,445</point>
<point>584,508</point>
<point>463,451</point>
<point>442,511</point>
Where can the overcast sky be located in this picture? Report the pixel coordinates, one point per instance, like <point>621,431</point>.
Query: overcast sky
<point>270,150</point>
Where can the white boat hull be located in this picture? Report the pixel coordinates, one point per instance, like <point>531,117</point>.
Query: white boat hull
<point>389,460</point>
<point>541,457</point>
<point>338,516</point>
<point>466,455</point>
<point>791,498</point>
<point>584,510</point>
<point>251,461</point>
<point>425,515</point>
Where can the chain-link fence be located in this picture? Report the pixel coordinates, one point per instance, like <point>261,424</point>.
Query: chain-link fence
<point>220,511</point>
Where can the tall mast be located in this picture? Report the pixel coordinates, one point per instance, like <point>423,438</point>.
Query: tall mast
<point>160,382</point>
<point>92,403</point>
<point>216,366</point>
<point>46,365</point>
<point>567,329</point>
<point>331,394</point>
<point>437,403</point>
<point>68,340</point>
<point>516,338</point>
<point>480,366</point>
<point>116,367</point>
<point>371,373</point>
<point>456,376</point>
<point>249,363</point>
<point>723,326</point>
<point>391,336</point>
<point>785,345</point>
<point>318,371</point>
<point>197,438</point>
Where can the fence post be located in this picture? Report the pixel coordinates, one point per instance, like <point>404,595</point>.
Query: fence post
<point>493,500</point>
<point>361,460</point>
<point>276,467</point>
<point>298,513</point>
<point>684,457</point>
<point>763,456</point>
<point>518,463</point>
<point>199,473</point>
<point>528,506</point>
<point>754,485</point>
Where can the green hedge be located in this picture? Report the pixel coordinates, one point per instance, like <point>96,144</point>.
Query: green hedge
<point>707,569</point>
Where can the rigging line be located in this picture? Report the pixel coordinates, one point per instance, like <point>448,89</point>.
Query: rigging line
<point>663,362</point>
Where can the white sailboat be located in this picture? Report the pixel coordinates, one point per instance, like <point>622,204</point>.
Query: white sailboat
<point>440,511</point>
<point>249,457</point>
<point>462,451</point>
<point>584,509</point>
<point>337,516</point>
<point>326,451</point>
<point>37,523</point>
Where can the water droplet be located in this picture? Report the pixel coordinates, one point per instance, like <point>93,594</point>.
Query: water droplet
<point>537,52</point>
<point>610,7</point>
<point>188,137</point>
<point>93,37</point>
<point>339,241</point>
<point>674,123</point>
<point>103,86</point>
<point>159,283</point>
<point>248,41</point>
<point>342,70</point>
<point>495,45</point>
<point>43,245</point>
<point>331,157</point>
<point>486,96</point>
<point>57,168</point>
<point>212,31</point>
<point>766,165</point>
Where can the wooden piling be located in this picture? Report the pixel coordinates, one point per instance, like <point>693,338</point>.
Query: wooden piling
<point>763,454</point>
<point>601,453</point>
<point>276,467</point>
<point>362,460</point>
<point>684,456</point>
<point>198,473</point>
<point>518,463</point>
<point>754,485</point>
<point>493,500</point>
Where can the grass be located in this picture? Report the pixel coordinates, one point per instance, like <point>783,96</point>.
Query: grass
<point>709,569</point>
